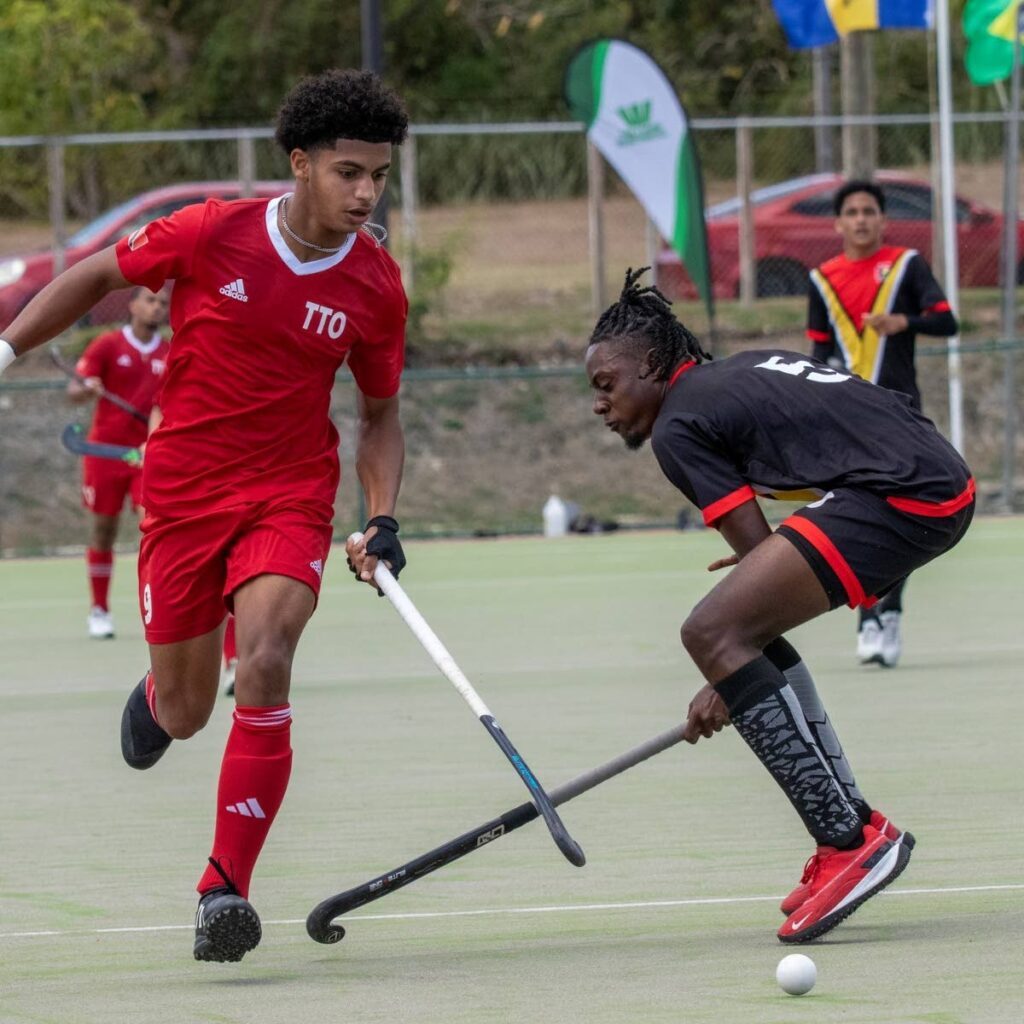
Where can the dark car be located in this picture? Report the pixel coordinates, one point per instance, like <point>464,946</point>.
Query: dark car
<point>794,231</point>
<point>21,276</point>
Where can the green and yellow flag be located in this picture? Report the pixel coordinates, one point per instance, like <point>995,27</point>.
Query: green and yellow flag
<point>989,26</point>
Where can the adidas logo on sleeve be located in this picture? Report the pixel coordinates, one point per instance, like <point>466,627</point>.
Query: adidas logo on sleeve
<point>235,290</point>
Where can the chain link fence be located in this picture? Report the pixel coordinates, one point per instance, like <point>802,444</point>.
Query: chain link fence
<point>780,167</point>
<point>496,228</point>
<point>485,449</point>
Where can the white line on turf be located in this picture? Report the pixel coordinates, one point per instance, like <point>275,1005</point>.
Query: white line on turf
<point>557,909</point>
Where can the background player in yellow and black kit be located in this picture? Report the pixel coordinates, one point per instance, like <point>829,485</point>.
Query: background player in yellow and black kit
<point>865,309</point>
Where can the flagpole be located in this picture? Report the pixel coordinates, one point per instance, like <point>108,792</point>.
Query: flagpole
<point>1009,275</point>
<point>947,187</point>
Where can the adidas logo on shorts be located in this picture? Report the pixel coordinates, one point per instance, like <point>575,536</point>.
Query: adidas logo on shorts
<point>318,567</point>
<point>235,290</point>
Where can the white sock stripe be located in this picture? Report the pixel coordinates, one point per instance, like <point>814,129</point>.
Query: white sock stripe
<point>265,720</point>
<point>263,723</point>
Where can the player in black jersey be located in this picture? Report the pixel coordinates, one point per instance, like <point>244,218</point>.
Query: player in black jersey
<point>865,309</point>
<point>887,493</point>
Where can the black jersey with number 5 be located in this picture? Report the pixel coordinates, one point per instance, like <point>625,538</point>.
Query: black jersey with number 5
<point>774,423</point>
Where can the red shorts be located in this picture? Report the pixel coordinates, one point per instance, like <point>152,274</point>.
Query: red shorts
<point>190,567</point>
<point>107,482</point>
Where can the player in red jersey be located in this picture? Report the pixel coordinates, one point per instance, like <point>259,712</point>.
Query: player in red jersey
<point>865,310</point>
<point>128,363</point>
<point>239,479</point>
<point>229,658</point>
<point>888,494</point>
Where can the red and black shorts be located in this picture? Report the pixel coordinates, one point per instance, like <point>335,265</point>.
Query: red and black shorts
<point>860,545</point>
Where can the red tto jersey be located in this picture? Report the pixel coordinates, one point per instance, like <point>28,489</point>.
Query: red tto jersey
<point>258,339</point>
<point>130,369</point>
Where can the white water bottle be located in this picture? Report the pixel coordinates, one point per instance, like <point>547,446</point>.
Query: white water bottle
<point>556,517</point>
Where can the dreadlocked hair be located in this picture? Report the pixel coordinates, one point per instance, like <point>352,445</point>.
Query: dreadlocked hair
<point>645,316</point>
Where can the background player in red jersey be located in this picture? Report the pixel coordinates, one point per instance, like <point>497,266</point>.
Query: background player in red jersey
<point>128,363</point>
<point>865,309</point>
<point>239,478</point>
<point>894,494</point>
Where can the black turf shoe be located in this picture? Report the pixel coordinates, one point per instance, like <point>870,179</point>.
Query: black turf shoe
<point>143,742</point>
<point>227,926</point>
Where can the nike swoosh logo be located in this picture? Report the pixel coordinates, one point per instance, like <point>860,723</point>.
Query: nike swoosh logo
<point>796,924</point>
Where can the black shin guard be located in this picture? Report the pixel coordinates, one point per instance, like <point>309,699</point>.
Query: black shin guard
<point>767,714</point>
<point>785,657</point>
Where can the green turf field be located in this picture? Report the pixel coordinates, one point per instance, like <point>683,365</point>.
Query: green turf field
<point>574,645</point>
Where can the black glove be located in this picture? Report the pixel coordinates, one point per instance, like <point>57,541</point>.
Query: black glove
<point>385,544</point>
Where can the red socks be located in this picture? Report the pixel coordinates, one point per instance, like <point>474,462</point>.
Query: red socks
<point>253,779</point>
<point>100,565</point>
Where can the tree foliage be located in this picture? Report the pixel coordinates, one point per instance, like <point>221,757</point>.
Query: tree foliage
<point>108,64</point>
<point>73,65</point>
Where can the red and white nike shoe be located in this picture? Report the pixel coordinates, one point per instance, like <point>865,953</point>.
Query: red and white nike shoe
<point>841,880</point>
<point>878,821</point>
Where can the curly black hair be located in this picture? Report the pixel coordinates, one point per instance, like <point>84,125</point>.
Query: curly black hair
<point>340,104</point>
<point>644,317</point>
<point>857,185</point>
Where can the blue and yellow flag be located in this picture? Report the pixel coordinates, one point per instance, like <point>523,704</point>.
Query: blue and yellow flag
<point>818,22</point>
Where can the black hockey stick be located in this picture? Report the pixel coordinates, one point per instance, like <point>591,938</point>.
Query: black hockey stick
<point>73,438</point>
<point>441,657</point>
<point>320,924</point>
<point>103,393</point>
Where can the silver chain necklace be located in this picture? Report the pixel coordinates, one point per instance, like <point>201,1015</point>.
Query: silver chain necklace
<point>302,241</point>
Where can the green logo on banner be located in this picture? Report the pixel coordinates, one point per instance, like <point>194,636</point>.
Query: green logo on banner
<point>639,127</point>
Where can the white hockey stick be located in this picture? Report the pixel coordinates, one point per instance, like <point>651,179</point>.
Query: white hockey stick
<point>441,657</point>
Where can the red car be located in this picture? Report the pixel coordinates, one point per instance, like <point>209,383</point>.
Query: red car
<point>22,276</point>
<point>794,232</point>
